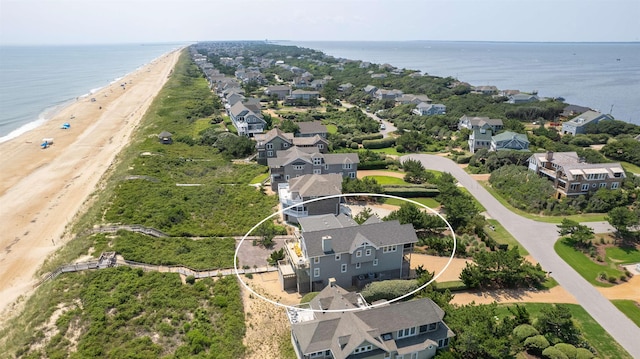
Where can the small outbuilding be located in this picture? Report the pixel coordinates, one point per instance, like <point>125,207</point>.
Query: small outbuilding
<point>165,137</point>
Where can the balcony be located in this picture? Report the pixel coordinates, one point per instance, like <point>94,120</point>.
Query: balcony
<point>294,252</point>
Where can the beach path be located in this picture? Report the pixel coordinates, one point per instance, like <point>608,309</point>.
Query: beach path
<point>42,190</point>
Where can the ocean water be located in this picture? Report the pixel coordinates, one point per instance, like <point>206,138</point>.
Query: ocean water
<point>603,76</point>
<point>36,81</point>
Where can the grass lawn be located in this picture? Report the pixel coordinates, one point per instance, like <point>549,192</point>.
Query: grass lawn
<point>427,201</point>
<point>597,337</point>
<point>383,180</point>
<point>630,167</point>
<point>332,128</point>
<point>625,255</point>
<point>259,178</point>
<point>629,308</point>
<point>500,235</point>
<point>587,217</point>
<point>388,151</point>
<point>587,268</point>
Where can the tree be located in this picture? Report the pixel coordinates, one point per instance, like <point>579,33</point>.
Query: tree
<point>234,146</point>
<point>579,235</point>
<point>289,126</point>
<point>415,172</point>
<point>621,218</point>
<point>556,324</point>
<point>276,256</point>
<point>363,215</point>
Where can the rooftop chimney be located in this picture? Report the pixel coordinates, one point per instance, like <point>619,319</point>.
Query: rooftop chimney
<point>549,156</point>
<point>332,282</point>
<point>326,244</point>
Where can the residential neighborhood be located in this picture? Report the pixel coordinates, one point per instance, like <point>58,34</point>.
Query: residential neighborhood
<point>313,145</point>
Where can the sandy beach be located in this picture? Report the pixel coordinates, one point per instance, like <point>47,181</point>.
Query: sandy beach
<point>42,190</point>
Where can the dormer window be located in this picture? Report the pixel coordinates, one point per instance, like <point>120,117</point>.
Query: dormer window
<point>317,161</point>
<point>346,166</point>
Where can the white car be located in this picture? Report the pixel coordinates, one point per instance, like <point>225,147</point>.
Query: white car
<point>383,127</point>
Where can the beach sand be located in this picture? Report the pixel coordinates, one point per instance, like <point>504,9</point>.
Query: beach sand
<point>42,190</point>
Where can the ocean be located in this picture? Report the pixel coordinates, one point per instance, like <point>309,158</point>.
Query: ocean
<point>37,81</point>
<point>602,76</point>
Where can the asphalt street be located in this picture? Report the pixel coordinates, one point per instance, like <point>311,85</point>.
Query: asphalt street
<point>538,238</point>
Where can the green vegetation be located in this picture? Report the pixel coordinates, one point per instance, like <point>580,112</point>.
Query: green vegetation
<point>501,236</point>
<point>629,308</point>
<point>384,180</point>
<point>259,178</point>
<point>587,268</point>
<point>308,297</point>
<point>429,202</point>
<point>123,312</point>
<point>596,337</point>
<point>195,254</point>
<point>630,167</point>
<point>623,255</point>
<point>501,269</point>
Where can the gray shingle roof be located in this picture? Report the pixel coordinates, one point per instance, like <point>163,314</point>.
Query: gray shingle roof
<point>312,127</point>
<point>325,221</point>
<point>306,153</point>
<point>346,239</point>
<point>316,185</point>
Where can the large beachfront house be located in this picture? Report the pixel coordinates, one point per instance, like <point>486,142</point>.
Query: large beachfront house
<point>354,255</point>
<point>414,329</point>
<point>308,187</point>
<point>298,161</point>
<point>246,122</point>
<point>508,140</point>
<point>578,124</point>
<point>471,123</point>
<point>571,176</point>
<point>268,144</point>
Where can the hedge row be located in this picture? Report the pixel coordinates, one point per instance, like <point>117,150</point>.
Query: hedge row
<point>381,143</point>
<point>372,165</point>
<point>407,192</point>
<point>370,136</point>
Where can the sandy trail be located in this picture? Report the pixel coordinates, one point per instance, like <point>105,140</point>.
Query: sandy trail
<point>42,190</point>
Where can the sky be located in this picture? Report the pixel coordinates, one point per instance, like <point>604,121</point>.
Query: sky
<point>52,22</point>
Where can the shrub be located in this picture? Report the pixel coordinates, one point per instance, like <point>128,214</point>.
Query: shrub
<point>372,136</point>
<point>381,143</point>
<point>524,331</point>
<point>612,279</point>
<point>408,192</point>
<point>190,279</point>
<point>553,353</point>
<point>568,349</point>
<point>249,275</point>
<point>536,344</point>
<point>388,289</point>
<point>582,353</point>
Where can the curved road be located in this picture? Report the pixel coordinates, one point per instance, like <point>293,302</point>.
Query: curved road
<point>538,238</point>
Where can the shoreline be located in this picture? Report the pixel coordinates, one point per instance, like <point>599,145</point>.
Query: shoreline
<point>43,190</point>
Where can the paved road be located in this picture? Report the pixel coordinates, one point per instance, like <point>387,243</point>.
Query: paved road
<point>538,238</point>
<point>389,127</point>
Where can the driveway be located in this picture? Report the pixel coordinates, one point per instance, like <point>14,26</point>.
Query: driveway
<point>538,238</point>
<point>389,127</point>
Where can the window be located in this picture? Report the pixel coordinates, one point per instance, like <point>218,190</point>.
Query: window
<point>269,146</point>
<point>316,272</point>
<point>358,253</point>
<point>403,333</point>
<point>343,268</point>
<point>574,186</point>
<point>346,166</point>
<point>433,326</point>
<point>270,153</point>
<point>375,262</point>
<point>338,257</point>
<point>317,171</point>
<point>320,145</point>
<point>367,252</point>
<point>614,185</point>
<point>593,185</point>
<point>285,145</point>
<point>414,355</point>
<point>352,175</point>
<point>443,342</point>
<point>358,265</point>
<point>603,185</point>
<point>326,166</point>
<point>316,260</point>
<point>298,167</point>
<point>388,249</point>
<point>617,174</point>
<point>317,161</point>
<point>585,187</point>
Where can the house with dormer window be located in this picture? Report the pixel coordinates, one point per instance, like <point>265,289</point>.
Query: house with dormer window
<point>246,122</point>
<point>299,161</point>
<point>331,246</point>
<point>410,330</point>
<point>275,140</point>
<point>299,190</point>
